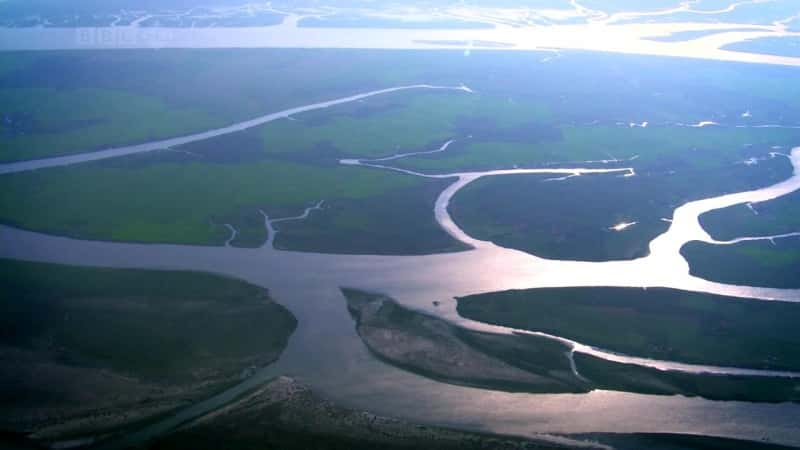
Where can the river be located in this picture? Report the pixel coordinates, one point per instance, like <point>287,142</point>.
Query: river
<point>326,353</point>
<point>607,36</point>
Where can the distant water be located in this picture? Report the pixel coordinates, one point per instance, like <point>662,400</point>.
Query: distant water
<point>634,39</point>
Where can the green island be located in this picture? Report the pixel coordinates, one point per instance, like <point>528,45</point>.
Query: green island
<point>754,263</point>
<point>768,263</point>
<point>659,323</point>
<point>431,347</point>
<point>778,216</point>
<point>146,342</point>
<point>653,149</point>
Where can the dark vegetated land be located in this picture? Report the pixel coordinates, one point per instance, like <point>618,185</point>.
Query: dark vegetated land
<point>759,263</point>
<point>631,378</point>
<point>779,216</point>
<point>525,113</point>
<point>572,218</point>
<point>185,198</point>
<point>764,263</point>
<point>78,342</point>
<point>172,92</point>
<point>400,221</point>
<point>654,148</point>
<point>433,348</point>
<point>568,219</point>
<point>430,347</point>
<point>666,441</point>
<point>657,323</point>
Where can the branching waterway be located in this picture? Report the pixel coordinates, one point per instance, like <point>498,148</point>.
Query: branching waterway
<point>25,166</point>
<point>272,231</point>
<point>326,353</point>
<point>608,33</point>
<point>685,227</point>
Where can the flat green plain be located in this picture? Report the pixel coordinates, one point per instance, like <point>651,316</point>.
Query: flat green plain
<point>523,113</point>
<point>183,202</point>
<point>760,263</point>
<point>765,263</point>
<point>778,216</point>
<point>656,323</point>
<point>652,147</point>
<point>57,103</point>
<point>574,218</point>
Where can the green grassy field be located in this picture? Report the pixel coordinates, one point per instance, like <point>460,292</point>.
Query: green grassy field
<point>46,121</point>
<point>57,103</point>
<point>656,323</point>
<point>655,147</point>
<point>572,219</point>
<point>630,378</point>
<point>759,263</point>
<point>378,316</point>
<point>280,168</point>
<point>122,97</point>
<point>398,122</point>
<point>778,216</point>
<point>188,202</point>
<point>524,113</point>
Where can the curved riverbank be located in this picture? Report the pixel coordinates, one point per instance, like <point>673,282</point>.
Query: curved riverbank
<point>364,382</point>
<point>308,282</point>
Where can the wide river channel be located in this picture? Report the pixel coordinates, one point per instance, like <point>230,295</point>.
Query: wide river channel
<point>326,353</point>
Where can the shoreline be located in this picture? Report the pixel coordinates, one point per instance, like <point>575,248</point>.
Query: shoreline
<point>598,37</point>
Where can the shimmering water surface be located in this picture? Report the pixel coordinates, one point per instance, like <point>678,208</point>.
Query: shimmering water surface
<point>326,353</point>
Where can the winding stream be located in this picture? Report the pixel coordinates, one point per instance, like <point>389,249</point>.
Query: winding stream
<point>24,166</point>
<point>326,353</point>
<point>664,250</point>
<point>270,223</point>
